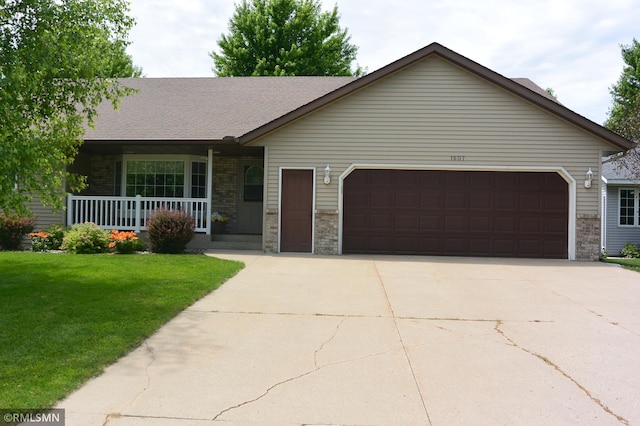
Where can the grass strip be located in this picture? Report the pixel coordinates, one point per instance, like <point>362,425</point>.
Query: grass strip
<point>66,317</point>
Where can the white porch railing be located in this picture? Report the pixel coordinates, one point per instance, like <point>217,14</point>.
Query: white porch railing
<point>131,213</point>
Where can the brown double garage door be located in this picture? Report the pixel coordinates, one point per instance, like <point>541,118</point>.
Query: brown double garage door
<point>456,213</point>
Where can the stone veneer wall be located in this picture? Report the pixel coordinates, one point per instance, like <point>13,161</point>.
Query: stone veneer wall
<point>270,236</point>
<point>588,237</point>
<point>225,189</point>
<point>101,177</point>
<point>326,238</point>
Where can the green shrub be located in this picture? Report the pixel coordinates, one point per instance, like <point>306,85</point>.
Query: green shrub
<point>51,239</point>
<point>630,250</point>
<point>13,229</point>
<point>56,236</point>
<point>169,231</point>
<point>125,242</point>
<point>86,238</point>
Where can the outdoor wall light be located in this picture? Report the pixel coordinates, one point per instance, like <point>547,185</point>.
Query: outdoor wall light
<point>587,183</point>
<point>327,175</point>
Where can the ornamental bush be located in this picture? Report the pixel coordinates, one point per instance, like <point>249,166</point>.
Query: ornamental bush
<point>124,242</point>
<point>86,238</point>
<point>630,250</point>
<point>13,229</point>
<point>51,239</point>
<point>170,231</point>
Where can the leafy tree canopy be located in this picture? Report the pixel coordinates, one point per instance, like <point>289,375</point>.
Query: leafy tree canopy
<point>285,37</point>
<point>624,115</point>
<point>57,63</point>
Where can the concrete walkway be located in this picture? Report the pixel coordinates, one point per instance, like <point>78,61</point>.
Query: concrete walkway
<point>361,340</point>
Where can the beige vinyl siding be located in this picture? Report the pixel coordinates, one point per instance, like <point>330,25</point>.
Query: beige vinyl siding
<point>423,115</point>
<point>44,215</point>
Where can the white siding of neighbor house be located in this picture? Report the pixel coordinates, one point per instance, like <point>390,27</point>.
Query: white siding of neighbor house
<point>617,236</point>
<point>422,116</point>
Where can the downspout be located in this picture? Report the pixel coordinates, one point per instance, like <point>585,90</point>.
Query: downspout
<point>209,188</point>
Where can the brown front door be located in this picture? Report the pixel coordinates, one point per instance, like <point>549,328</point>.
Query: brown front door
<point>297,211</point>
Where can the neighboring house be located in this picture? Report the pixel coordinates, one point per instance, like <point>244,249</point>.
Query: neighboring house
<point>433,154</point>
<point>620,220</point>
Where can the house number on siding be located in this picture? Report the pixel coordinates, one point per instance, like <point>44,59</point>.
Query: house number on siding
<point>457,158</point>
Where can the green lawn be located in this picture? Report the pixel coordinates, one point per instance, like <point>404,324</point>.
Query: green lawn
<point>65,317</point>
<point>633,264</point>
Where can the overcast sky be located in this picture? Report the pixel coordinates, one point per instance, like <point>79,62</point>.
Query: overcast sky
<point>572,46</point>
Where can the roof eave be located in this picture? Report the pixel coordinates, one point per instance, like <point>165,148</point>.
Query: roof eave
<point>623,181</point>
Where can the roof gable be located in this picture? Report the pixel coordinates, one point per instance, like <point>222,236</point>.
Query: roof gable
<point>522,88</point>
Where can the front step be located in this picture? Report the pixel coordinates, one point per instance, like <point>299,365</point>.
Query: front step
<point>226,242</point>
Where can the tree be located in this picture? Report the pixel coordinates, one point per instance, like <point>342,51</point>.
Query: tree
<point>57,60</point>
<point>624,115</point>
<point>285,37</point>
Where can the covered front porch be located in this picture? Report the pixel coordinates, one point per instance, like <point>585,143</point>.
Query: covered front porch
<point>129,181</point>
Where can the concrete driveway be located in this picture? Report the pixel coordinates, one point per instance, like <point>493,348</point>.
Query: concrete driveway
<point>361,340</point>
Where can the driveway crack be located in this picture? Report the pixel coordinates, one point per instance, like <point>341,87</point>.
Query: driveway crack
<point>333,336</point>
<point>300,376</point>
<point>404,346</point>
<point>556,367</point>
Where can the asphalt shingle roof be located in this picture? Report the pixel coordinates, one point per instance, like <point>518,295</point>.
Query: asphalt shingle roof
<point>622,167</point>
<point>205,108</point>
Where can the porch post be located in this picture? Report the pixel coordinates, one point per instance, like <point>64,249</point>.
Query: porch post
<point>69,209</point>
<point>209,189</point>
<point>138,225</point>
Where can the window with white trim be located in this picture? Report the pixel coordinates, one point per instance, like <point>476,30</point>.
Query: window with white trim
<point>163,177</point>
<point>628,207</point>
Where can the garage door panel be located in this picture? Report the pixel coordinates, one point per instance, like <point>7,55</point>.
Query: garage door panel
<point>406,244</point>
<point>506,181</point>
<point>480,246</point>
<point>380,244</point>
<point>431,200</point>
<point>531,202</point>
<point>530,225</point>
<point>407,200</point>
<point>430,222</point>
<point>455,246</point>
<point>530,247</point>
<point>555,225</point>
<point>406,222</point>
<point>380,222</point>
<point>504,224</point>
<point>455,223</point>
<point>455,180</point>
<point>504,247</point>
<point>505,201</point>
<point>480,202</point>
<point>474,213</point>
<point>429,245</point>
<point>380,199</point>
<point>480,224</point>
<point>356,200</point>
<point>554,202</point>
<point>356,221</point>
<point>381,178</point>
<point>455,201</point>
<point>409,179</point>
